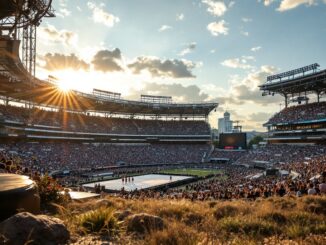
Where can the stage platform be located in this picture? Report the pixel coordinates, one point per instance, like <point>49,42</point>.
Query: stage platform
<point>81,195</point>
<point>140,182</point>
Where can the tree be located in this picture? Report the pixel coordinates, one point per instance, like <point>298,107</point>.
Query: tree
<point>255,140</point>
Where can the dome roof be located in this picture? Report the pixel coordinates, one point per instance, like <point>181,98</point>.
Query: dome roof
<point>226,114</point>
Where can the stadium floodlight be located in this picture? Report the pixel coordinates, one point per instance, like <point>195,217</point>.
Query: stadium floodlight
<point>312,67</point>
<point>106,94</point>
<point>156,99</point>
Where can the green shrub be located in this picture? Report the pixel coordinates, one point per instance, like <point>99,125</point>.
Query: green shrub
<point>101,220</point>
<point>296,231</point>
<point>49,190</point>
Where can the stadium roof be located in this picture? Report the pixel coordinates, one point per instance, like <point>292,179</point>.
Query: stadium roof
<point>46,94</point>
<point>315,82</point>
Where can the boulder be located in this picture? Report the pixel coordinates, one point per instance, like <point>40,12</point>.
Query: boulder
<point>144,223</point>
<point>24,228</point>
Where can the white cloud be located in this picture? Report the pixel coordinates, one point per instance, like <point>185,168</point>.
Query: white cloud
<point>108,60</point>
<point>268,2</point>
<point>291,4</point>
<point>51,34</point>
<point>164,28</point>
<point>178,91</point>
<point>231,4</point>
<point>246,20</point>
<point>218,28</point>
<point>166,68</point>
<point>247,90</point>
<point>255,49</point>
<point>101,16</point>
<point>56,61</point>
<point>245,33</point>
<point>180,17</point>
<point>65,12</point>
<point>240,63</point>
<point>63,3</point>
<point>217,8</point>
<point>190,47</point>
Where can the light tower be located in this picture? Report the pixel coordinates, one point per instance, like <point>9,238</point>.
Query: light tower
<point>19,20</point>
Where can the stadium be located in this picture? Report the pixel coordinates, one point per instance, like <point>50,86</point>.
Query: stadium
<point>99,146</point>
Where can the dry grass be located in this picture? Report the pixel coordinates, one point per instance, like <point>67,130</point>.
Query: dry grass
<point>219,222</point>
<point>175,234</point>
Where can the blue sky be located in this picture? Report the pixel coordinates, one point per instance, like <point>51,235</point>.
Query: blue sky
<point>194,50</point>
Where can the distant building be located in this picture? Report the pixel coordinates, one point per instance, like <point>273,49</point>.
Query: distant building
<point>225,125</point>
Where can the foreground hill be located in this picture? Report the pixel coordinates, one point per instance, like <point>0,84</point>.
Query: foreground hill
<point>287,220</point>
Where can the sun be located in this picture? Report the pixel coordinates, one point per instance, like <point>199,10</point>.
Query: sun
<point>65,82</point>
<point>64,86</point>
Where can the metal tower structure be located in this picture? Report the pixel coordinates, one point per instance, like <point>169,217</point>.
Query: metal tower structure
<point>29,49</point>
<point>237,127</point>
<point>19,20</point>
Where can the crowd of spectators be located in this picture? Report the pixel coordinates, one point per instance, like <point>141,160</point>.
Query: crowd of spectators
<point>48,157</point>
<point>79,122</point>
<point>300,113</point>
<point>9,164</point>
<point>306,167</point>
<point>231,155</point>
<point>239,182</point>
<point>273,153</point>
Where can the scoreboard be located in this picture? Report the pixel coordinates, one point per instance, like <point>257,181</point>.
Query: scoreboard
<point>233,141</point>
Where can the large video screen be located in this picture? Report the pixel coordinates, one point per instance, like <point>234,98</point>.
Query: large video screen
<point>233,141</point>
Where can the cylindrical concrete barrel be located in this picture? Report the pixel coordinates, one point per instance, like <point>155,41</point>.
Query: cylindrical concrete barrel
<point>17,193</point>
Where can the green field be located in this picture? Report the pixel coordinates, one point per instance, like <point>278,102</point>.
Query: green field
<point>190,171</point>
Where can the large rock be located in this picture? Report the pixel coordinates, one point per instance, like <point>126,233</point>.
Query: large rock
<point>26,228</point>
<point>144,223</point>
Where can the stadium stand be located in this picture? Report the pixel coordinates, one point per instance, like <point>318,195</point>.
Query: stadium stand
<point>278,154</point>
<point>305,121</point>
<point>229,156</point>
<point>47,157</point>
<point>300,113</point>
<point>77,122</point>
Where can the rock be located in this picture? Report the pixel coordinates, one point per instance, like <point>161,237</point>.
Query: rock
<point>144,223</point>
<point>24,228</point>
